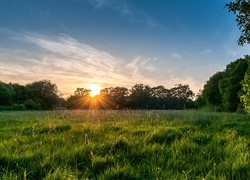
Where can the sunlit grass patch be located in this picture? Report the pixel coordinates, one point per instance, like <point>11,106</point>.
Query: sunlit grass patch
<point>124,145</point>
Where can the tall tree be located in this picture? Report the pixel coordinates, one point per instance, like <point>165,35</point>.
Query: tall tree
<point>230,85</point>
<point>211,92</point>
<point>241,8</point>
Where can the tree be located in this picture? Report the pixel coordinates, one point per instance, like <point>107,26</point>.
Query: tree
<point>245,92</point>
<point>241,8</point>
<point>82,92</point>
<point>119,97</point>
<point>200,101</point>
<point>113,98</point>
<point>6,94</point>
<point>230,85</point>
<point>21,93</point>
<point>182,96</point>
<point>45,93</point>
<point>211,92</point>
<point>160,92</point>
<point>80,99</point>
<point>140,97</point>
<point>161,97</point>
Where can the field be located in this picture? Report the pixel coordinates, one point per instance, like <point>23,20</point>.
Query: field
<point>124,145</point>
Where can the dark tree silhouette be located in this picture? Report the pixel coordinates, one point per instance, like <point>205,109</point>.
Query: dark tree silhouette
<point>44,93</point>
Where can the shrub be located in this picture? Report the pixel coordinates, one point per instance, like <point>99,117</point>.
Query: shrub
<point>31,105</point>
<point>18,107</point>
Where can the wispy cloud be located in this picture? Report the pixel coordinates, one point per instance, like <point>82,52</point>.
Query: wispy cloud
<point>71,63</point>
<point>176,55</point>
<point>100,3</point>
<point>118,5</point>
<point>206,51</point>
<point>132,14</point>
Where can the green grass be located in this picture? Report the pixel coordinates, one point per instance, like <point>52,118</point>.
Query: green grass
<point>124,145</point>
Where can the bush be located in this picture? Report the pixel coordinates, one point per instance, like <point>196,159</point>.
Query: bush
<point>18,107</point>
<point>31,105</point>
<point>5,108</point>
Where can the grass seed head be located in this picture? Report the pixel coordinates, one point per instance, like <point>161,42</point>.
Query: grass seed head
<point>86,139</point>
<point>24,175</point>
<point>92,154</point>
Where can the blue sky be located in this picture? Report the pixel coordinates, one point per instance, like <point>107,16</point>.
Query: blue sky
<point>75,43</point>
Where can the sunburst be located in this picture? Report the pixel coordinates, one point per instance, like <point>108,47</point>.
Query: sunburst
<point>95,90</point>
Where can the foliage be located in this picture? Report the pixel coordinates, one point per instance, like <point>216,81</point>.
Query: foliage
<point>200,100</point>
<point>18,107</point>
<point>44,92</point>
<point>242,10</point>
<point>80,100</point>
<point>222,90</point>
<point>21,93</point>
<point>124,145</point>
<point>31,105</point>
<point>245,93</point>
<point>36,95</point>
<point>182,94</point>
<point>140,96</point>
<point>230,85</point>
<point>44,95</point>
<point>211,90</point>
<point>6,94</point>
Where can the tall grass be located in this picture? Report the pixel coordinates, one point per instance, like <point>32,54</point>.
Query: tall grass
<point>124,145</point>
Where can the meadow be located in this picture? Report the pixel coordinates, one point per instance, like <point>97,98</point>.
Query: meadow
<point>124,145</point>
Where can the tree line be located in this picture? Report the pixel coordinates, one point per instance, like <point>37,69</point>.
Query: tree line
<point>44,95</point>
<point>227,90</point>
<point>38,95</point>
<point>140,96</point>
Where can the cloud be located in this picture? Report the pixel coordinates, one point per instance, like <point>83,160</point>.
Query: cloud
<point>140,64</point>
<point>206,51</point>
<point>101,3</point>
<point>117,5</point>
<point>176,55</point>
<point>132,14</point>
<point>70,64</point>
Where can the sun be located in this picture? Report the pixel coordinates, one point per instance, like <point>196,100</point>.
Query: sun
<point>95,90</point>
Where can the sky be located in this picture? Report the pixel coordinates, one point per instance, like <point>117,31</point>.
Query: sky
<point>76,43</point>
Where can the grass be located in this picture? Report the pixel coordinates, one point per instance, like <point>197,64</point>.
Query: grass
<point>124,145</point>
